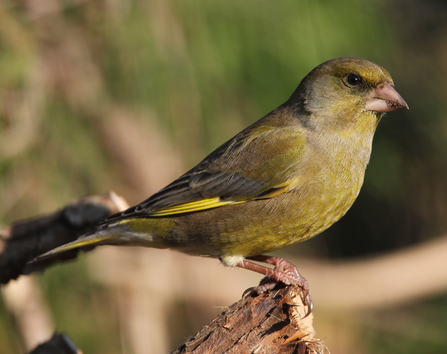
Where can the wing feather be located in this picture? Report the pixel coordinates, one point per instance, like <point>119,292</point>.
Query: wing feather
<point>257,163</point>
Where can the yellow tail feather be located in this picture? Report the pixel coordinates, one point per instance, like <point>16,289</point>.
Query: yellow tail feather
<point>80,242</point>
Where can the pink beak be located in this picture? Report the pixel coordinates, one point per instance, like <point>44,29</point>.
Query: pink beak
<point>385,98</point>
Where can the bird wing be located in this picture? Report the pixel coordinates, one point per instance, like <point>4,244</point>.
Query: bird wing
<point>260,162</point>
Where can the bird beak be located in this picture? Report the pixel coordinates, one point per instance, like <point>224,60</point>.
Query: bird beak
<point>384,98</point>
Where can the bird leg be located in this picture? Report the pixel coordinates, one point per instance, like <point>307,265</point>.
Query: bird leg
<point>284,272</point>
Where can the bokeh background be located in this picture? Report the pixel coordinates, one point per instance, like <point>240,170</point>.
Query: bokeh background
<point>99,95</point>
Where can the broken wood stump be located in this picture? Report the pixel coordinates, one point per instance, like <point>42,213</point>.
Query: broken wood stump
<point>273,322</point>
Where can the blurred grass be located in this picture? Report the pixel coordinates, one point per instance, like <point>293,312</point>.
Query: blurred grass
<point>82,309</point>
<point>203,70</point>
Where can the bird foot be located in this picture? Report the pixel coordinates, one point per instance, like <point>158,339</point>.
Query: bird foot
<point>284,272</point>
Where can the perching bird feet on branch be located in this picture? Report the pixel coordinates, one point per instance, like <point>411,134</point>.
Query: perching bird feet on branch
<point>284,272</point>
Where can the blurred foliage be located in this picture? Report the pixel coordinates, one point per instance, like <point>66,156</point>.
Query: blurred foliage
<point>82,309</point>
<point>203,70</point>
<point>410,330</point>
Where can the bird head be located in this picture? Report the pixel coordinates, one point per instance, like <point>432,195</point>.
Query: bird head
<point>340,90</point>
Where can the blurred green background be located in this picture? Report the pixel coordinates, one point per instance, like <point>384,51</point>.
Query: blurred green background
<point>92,92</point>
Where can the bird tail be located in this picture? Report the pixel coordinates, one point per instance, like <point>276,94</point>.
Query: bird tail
<point>97,237</point>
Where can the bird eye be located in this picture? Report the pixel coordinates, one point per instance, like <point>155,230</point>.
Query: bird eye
<point>353,80</point>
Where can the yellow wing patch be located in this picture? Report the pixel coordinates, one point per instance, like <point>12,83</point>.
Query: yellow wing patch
<point>211,203</point>
<point>194,206</point>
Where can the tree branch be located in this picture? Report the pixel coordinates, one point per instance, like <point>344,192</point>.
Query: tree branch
<point>273,322</point>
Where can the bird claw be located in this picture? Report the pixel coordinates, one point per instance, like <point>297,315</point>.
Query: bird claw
<point>250,291</point>
<point>268,283</point>
<point>286,273</point>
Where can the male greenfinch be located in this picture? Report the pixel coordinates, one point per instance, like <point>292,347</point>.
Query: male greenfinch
<point>282,180</point>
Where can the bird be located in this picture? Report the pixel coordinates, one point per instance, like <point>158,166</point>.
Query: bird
<point>282,180</point>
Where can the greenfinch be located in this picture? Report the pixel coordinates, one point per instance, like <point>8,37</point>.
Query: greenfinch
<point>281,181</point>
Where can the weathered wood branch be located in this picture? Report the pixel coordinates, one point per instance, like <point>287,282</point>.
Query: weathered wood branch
<point>58,344</point>
<point>273,322</point>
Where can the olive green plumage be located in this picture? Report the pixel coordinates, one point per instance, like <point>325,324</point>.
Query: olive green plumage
<point>282,180</point>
